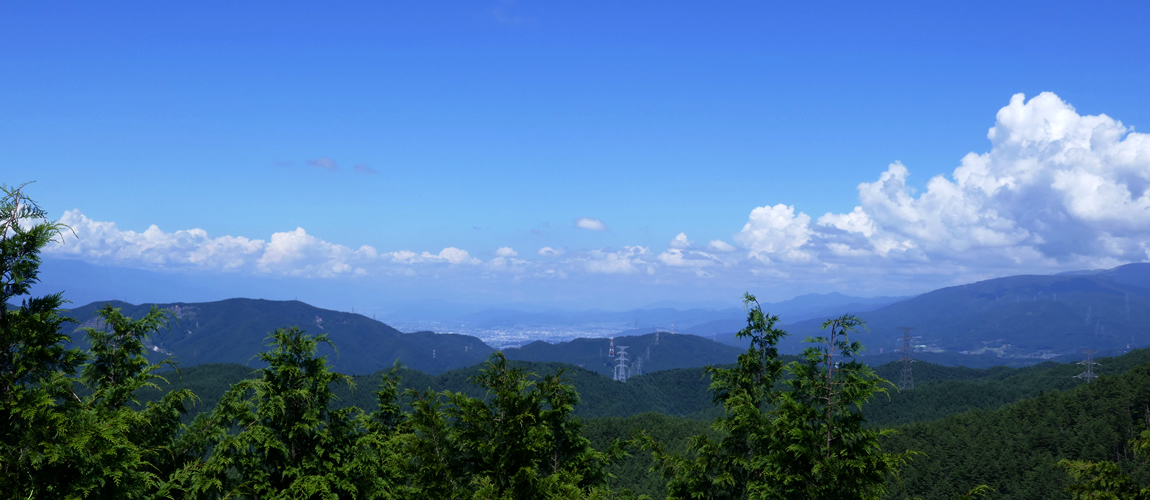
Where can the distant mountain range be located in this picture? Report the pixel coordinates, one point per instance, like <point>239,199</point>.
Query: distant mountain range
<point>1017,316</point>
<point>1015,321</point>
<point>234,331</point>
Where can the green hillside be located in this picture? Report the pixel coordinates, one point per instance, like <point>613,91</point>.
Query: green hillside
<point>234,330</point>
<point>940,391</point>
<point>1014,448</point>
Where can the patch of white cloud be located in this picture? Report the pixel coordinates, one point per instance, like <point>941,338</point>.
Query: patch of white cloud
<point>288,253</point>
<point>720,246</point>
<point>776,231</point>
<point>677,257</point>
<point>681,241</point>
<point>506,252</point>
<point>628,260</point>
<point>1057,190</point>
<point>591,224</point>
<point>550,252</point>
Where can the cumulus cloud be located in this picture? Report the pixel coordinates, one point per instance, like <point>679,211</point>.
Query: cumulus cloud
<point>626,261</point>
<point>776,231</point>
<point>589,223</point>
<point>288,253</point>
<point>1056,190</point>
<point>1055,185</point>
<point>324,163</point>
<point>550,252</point>
<point>681,241</point>
<point>506,252</point>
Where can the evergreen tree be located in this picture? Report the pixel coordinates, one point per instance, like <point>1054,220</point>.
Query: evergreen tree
<point>522,441</point>
<point>277,436</point>
<point>57,441</point>
<point>34,364</point>
<point>1104,480</point>
<point>789,431</point>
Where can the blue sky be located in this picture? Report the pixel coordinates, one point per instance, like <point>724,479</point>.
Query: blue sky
<point>439,134</point>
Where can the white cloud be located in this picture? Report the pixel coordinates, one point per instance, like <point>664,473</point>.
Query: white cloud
<point>104,241</point>
<point>625,261</point>
<point>1056,189</point>
<point>589,223</point>
<point>454,256</point>
<point>289,253</point>
<point>681,241</point>
<point>676,257</point>
<point>550,252</point>
<point>506,252</point>
<point>776,231</point>
<point>721,246</point>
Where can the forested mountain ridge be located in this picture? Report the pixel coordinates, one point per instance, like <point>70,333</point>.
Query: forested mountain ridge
<point>940,391</point>
<point>234,330</point>
<point>1015,448</point>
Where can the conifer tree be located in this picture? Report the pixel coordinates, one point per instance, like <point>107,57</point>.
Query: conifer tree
<point>287,441</point>
<point>789,431</point>
<point>69,436</point>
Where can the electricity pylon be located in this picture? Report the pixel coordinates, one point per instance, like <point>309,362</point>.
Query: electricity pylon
<point>621,364</point>
<point>1089,363</point>
<point>906,381</point>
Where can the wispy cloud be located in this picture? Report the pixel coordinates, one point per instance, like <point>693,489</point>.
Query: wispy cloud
<point>363,168</point>
<point>324,163</point>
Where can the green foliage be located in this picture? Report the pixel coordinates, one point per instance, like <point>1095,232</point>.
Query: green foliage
<point>800,437</point>
<point>287,442</point>
<point>521,441</point>
<point>1016,448</point>
<point>55,443</point>
<point>33,360</point>
<point>1106,480</point>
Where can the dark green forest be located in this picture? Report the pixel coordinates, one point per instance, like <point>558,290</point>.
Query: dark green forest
<point>102,420</point>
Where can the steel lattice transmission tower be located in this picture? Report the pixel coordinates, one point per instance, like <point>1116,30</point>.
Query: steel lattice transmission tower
<point>906,381</point>
<point>1089,363</point>
<point>621,364</point>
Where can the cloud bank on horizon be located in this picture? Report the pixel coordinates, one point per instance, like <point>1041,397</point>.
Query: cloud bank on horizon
<point>1057,191</point>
